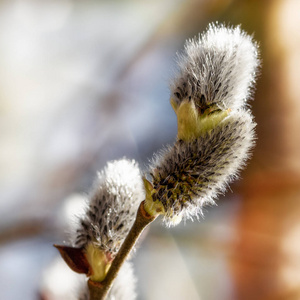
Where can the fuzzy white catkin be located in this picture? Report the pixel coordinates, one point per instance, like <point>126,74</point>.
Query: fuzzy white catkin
<point>189,175</point>
<point>218,68</point>
<point>111,207</point>
<point>124,286</point>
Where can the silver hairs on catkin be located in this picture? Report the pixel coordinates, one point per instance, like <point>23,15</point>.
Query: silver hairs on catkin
<point>189,175</point>
<point>215,131</point>
<point>218,68</point>
<point>111,207</point>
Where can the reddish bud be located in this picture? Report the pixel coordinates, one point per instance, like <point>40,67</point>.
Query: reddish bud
<point>75,258</point>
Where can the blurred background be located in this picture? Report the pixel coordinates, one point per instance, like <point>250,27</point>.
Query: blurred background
<point>84,82</point>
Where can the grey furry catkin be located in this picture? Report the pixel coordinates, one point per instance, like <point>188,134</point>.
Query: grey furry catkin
<point>111,207</point>
<point>189,175</point>
<point>216,75</point>
<point>217,69</point>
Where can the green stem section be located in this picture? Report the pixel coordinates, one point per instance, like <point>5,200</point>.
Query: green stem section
<point>99,290</point>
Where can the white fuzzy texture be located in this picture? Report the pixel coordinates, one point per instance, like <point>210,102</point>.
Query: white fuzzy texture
<point>190,175</point>
<point>124,286</point>
<point>112,207</point>
<point>218,68</point>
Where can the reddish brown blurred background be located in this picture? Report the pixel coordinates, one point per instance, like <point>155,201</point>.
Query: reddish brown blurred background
<point>83,82</point>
